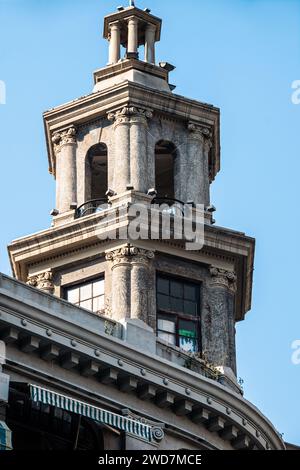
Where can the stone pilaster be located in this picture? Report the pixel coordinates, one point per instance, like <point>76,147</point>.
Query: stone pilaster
<point>199,145</point>
<point>139,148</point>
<point>140,283</point>
<point>130,148</point>
<point>121,271</point>
<point>130,282</point>
<point>65,144</point>
<point>220,332</point>
<point>42,281</point>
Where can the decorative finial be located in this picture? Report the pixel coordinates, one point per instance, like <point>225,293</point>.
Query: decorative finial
<point>131,3</point>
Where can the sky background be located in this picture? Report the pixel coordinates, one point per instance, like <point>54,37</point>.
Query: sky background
<point>241,56</point>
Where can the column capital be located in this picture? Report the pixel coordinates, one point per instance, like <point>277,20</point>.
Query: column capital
<point>129,254</point>
<point>129,114</point>
<point>65,137</point>
<point>151,27</point>
<point>204,134</point>
<point>42,281</point>
<point>223,278</point>
<point>132,19</point>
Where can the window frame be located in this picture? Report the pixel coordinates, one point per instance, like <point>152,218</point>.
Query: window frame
<point>174,316</point>
<point>82,283</point>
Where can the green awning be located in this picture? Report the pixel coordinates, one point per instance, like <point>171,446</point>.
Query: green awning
<point>5,437</point>
<point>48,397</point>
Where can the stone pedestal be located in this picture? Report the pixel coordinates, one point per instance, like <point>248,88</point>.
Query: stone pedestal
<point>65,145</point>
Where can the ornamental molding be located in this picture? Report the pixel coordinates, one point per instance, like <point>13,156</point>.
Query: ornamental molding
<point>223,278</point>
<point>157,429</point>
<point>42,281</point>
<point>65,137</point>
<point>129,115</point>
<point>129,254</point>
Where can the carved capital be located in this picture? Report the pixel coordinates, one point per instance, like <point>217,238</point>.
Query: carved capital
<point>141,256</point>
<point>202,133</point>
<point>129,254</point>
<point>42,281</point>
<point>128,115</point>
<point>66,137</point>
<point>223,278</point>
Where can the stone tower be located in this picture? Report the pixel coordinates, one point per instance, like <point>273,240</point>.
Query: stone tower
<point>134,142</point>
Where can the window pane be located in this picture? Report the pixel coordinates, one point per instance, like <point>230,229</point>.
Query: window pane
<point>167,337</point>
<point>162,285</point>
<point>163,302</point>
<point>176,305</point>
<point>190,308</point>
<point>177,289</point>
<point>73,295</point>
<point>190,292</point>
<point>187,344</point>
<point>166,325</point>
<point>86,292</point>
<point>98,288</point>
<point>187,328</point>
<point>86,304</point>
<point>98,304</point>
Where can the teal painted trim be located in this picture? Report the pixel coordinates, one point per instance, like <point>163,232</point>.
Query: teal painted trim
<point>48,397</point>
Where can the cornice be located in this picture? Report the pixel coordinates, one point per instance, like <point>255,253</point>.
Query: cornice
<point>96,105</point>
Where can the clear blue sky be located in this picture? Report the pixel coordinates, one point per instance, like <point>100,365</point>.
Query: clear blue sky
<point>240,55</point>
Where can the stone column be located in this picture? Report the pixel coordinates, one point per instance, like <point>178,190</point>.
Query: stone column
<point>139,148</point>
<point>6,434</point>
<point>221,302</point>
<point>132,47</point>
<point>42,281</point>
<point>150,43</point>
<point>114,44</point>
<point>121,271</point>
<point>121,149</point>
<point>140,283</point>
<point>65,145</point>
<point>199,145</point>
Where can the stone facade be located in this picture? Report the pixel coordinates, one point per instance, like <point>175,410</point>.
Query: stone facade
<point>134,131</point>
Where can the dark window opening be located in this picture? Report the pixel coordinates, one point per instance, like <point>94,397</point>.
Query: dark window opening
<point>36,426</point>
<point>88,295</point>
<point>165,162</point>
<point>178,313</point>
<point>97,172</point>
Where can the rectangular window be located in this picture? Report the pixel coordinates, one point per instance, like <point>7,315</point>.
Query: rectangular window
<point>178,312</point>
<point>89,295</point>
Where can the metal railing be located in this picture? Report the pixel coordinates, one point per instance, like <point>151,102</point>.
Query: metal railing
<point>170,205</point>
<point>92,207</point>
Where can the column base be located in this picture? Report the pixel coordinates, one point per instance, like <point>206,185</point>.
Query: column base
<point>132,55</point>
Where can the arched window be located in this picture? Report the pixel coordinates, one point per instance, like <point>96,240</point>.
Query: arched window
<point>165,169</point>
<point>96,172</point>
